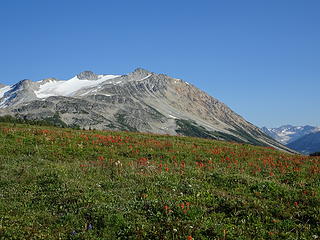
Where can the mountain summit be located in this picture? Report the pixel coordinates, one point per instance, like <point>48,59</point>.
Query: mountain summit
<point>87,75</point>
<point>139,101</point>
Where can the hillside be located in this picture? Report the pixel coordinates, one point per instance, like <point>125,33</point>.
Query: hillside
<point>59,183</point>
<point>307,144</point>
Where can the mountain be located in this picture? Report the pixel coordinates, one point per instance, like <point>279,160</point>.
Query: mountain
<point>307,144</point>
<point>288,133</point>
<point>139,101</point>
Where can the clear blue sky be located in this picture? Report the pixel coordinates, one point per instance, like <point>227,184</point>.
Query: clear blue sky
<point>260,57</point>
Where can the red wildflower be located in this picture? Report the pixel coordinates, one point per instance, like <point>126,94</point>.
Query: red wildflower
<point>166,208</point>
<point>183,164</point>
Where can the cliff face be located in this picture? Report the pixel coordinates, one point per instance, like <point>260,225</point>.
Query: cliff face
<point>140,101</point>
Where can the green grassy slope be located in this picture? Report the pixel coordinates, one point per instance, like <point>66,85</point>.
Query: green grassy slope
<point>72,184</point>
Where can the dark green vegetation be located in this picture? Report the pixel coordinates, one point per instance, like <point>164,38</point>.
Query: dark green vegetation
<point>315,154</point>
<point>55,120</point>
<point>248,137</point>
<point>192,129</point>
<point>73,184</point>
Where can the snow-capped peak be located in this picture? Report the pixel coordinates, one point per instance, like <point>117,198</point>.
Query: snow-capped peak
<point>288,133</point>
<point>69,87</point>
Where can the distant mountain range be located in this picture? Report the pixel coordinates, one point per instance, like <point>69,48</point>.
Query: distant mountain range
<point>304,139</point>
<point>307,144</point>
<point>139,101</point>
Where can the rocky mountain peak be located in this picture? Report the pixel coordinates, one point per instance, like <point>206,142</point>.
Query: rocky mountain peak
<point>140,72</point>
<point>23,83</point>
<point>87,75</point>
<point>48,80</point>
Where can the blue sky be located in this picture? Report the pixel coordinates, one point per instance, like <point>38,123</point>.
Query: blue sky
<point>260,57</point>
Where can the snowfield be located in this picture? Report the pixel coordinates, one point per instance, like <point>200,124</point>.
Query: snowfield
<point>69,87</point>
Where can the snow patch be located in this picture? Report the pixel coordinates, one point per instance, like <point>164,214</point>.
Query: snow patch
<point>144,78</point>
<point>177,80</point>
<point>285,133</point>
<point>3,104</point>
<point>172,116</point>
<point>69,87</point>
<point>4,90</point>
<point>317,129</point>
<point>83,94</point>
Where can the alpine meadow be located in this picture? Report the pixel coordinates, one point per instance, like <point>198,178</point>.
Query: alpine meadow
<point>59,183</point>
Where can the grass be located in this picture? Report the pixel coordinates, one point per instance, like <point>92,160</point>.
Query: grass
<point>75,184</point>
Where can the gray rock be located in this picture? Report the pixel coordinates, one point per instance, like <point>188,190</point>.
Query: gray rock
<point>21,92</point>
<point>87,75</point>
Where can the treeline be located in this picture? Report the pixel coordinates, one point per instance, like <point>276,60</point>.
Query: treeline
<point>315,154</point>
<point>49,121</point>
